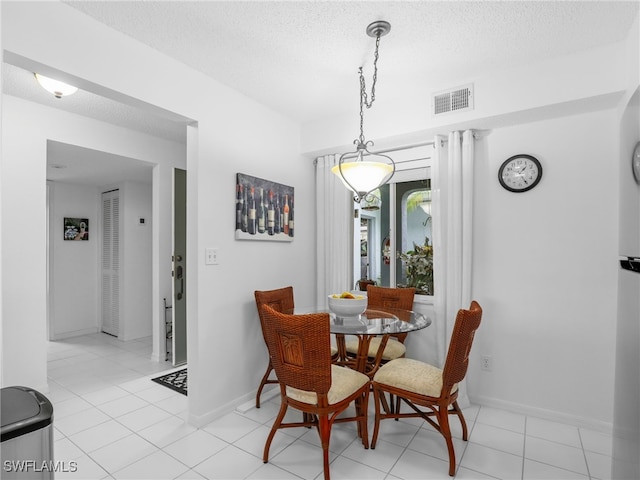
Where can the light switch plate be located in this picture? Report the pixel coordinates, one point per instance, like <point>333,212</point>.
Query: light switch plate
<point>211,256</point>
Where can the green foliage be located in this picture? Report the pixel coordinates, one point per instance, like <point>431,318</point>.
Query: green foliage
<point>418,265</point>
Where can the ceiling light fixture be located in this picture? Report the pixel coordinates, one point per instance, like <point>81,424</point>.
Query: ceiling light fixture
<point>363,171</point>
<point>57,88</point>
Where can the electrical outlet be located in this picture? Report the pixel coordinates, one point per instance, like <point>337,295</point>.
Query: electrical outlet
<point>486,363</point>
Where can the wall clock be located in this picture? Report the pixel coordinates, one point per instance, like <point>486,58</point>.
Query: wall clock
<point>635,163</point>
<point>520,173</point>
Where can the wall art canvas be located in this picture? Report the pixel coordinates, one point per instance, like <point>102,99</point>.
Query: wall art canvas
<point>264,209</point>
<point>76,228</point>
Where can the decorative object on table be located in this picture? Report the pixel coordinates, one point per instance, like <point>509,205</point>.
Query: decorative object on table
<point>635,163</point>
<point>76,228</point>
<point>419,268</point>
<point>520,173</point>
<point>347,304</point>
<point>264,209</point>
<point>428,390</point>
<point>381,298</point>
<point>359,174</point>
<point>175,381</point>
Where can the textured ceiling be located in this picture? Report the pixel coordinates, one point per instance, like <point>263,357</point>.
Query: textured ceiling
<point>301,57</point>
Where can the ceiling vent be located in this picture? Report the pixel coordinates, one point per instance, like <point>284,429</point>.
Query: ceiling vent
<point>452,100</point>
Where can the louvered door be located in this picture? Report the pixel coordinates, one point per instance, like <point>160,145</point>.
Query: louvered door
<point>111,262</point>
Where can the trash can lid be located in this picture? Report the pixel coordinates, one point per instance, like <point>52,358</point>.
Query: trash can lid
<point>23,410</point>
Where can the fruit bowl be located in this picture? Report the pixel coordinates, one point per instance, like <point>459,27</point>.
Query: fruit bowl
<point>347,305</point>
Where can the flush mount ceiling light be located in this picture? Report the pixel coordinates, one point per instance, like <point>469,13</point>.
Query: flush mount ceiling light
<point>57,88</point>
<point>363,171</point>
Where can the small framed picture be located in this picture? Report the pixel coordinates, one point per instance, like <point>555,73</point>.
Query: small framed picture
<point>76,228</point>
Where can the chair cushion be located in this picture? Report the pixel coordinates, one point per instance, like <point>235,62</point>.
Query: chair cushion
<point>412,375</point>
<point>393,348</point>
<point>344,382</point>
<point>334,351</point>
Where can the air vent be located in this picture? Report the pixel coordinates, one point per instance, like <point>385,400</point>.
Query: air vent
<point>454,100</point>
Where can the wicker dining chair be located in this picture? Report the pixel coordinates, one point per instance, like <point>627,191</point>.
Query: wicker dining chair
<point>281,300</point>
<point>300,351</point>
<point>418,384</point>
<point>379,298</point>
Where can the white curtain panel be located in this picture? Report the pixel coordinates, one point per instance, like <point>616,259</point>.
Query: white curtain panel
<point>334,220</point>
<point>452,203</point>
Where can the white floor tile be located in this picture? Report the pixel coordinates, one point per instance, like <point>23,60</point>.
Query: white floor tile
<point>123,453</point>
<point>541,471</point>
<point>115,423</point>
<point>492,462</point>
<point>195,448</point>
<point>230,463</point>
<point>413,465</point>
<point>143,417</point>
<point>80,421</point>
<point>498,438</point>
<point>556,454</point>
<point>167,431</point>
<point>157,466</point>
<point>231,427</point>
<point>554,431</point>
<point>97,437</point>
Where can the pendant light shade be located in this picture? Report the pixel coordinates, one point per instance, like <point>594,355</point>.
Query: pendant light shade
<point>363,171</point>
<point>57,88</point>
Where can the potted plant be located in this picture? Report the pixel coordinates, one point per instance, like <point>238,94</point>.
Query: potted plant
<point>418,265</point>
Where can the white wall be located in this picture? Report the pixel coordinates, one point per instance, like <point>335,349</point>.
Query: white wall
<point>231,134</point>
<point>73,289</point>
<point>544,271</point>
<point>135,271</point>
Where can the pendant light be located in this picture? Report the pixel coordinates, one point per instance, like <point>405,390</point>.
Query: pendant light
<point>363,171</point>
<point>57,88</point>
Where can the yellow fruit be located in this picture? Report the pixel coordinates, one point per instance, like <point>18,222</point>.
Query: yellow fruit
<point>347,295</point>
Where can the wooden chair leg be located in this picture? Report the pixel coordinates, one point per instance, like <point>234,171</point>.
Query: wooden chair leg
<point>324,428</point>
<point>445,430</point>
<point>458,412</point>
<point>274,429</point>
<point>263,382</point>
<point>376,424</point>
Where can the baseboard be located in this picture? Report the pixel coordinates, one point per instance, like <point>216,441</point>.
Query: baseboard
<point>74,333</point>
<point>552,415</point>
<point>240,405</point>
<point>267,394</point>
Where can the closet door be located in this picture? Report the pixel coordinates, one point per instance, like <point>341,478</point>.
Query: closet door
<point>111,262</point>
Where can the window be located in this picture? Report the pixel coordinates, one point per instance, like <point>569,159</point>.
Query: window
<point>393,232</point>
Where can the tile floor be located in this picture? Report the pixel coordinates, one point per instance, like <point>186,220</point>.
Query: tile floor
<point>115,423</point>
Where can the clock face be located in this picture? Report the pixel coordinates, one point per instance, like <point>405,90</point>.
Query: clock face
<point>520,173</point>
<point>635,163</point>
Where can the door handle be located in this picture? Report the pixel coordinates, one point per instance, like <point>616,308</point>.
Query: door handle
<point>179,276</point>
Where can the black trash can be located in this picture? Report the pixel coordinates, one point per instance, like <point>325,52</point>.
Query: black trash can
<point>27,434</point>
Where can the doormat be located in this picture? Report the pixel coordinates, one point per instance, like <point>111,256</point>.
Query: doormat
<point>175,381</point>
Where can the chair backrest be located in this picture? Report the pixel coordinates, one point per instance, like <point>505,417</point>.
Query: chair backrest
<point>457,362</point>
<point>380,297</point>
<point>300,349</point>
<point>280,299</point>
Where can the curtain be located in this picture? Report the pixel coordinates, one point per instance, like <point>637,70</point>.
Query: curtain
<point>452,203</point>
<point>334,223</point>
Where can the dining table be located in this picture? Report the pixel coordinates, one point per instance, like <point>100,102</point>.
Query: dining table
<point>373,322</point>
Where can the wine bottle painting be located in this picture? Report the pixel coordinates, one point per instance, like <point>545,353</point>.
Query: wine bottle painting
<point>264,209</point>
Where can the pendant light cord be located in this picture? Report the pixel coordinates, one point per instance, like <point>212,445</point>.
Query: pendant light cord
<point>364,98</point>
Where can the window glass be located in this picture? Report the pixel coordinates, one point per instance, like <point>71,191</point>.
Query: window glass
<point>403,255</point>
